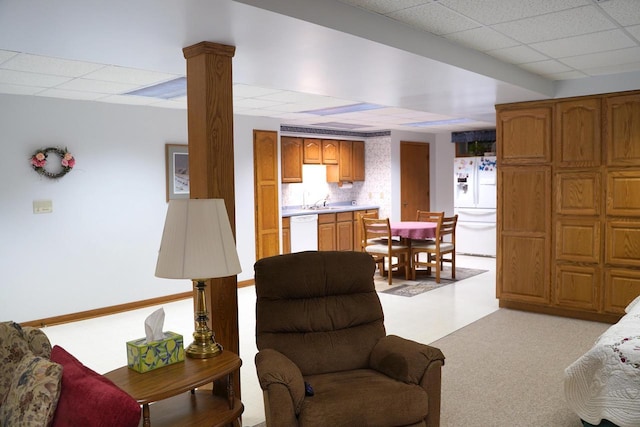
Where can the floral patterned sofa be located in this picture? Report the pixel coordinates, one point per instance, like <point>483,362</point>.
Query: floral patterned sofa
<point>45,386</point>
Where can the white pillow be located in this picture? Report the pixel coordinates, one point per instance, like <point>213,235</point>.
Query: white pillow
<point>634,306</point>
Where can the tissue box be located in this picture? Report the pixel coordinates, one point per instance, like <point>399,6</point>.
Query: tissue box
<point>144,357</point>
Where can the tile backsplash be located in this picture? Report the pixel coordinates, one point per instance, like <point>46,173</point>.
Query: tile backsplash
<point>374,190</point>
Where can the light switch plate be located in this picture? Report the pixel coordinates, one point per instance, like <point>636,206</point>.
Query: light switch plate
<point>42,206</point>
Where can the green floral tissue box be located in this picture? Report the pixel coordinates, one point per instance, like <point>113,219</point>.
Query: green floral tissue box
<point>144,357</point>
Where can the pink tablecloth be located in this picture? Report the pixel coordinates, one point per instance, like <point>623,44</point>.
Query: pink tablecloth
<point>414,229</point>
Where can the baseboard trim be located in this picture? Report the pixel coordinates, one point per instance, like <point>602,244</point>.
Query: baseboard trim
<point>120,308</point>
<point>563,312</point>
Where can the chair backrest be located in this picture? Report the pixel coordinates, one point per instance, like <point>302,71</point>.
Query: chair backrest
<point>375,229</point>
<point>320,309</point>
<point>429,216</point>
<point>447,229</point>
<point>361,225</point>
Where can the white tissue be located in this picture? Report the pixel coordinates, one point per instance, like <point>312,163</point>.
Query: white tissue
<point>153,326</point>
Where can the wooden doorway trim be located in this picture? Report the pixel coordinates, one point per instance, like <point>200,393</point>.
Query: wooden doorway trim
<point>265,188</point>
<point>414,179</point>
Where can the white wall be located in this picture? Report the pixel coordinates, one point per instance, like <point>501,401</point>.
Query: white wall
<point>98,248</point>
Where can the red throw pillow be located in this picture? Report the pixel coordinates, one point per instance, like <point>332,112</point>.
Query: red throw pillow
<point>89,399</point>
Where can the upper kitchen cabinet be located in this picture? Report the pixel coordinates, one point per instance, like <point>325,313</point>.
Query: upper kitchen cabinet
<point>291,159</point>
<point>330,151</point>
<point>312,153</point>
<point>350,165</point>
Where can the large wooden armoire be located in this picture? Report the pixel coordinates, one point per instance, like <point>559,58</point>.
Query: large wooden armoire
<point>569,205</point>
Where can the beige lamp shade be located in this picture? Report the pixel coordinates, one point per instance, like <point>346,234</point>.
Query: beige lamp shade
<point>197,241</point>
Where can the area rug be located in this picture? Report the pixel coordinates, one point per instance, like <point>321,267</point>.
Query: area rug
<point>428,283</point>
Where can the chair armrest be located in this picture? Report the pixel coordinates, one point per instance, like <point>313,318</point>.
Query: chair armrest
<point>403,359</point>
<point>274,367</point>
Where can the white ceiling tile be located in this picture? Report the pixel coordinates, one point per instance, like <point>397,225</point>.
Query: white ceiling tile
<point>247,91</point>
<point>5,55</point>
<point>129,99</point>
<point>490,12</point>
<point>613,69</point>
<point>634,31</point>
<point>434,19</point>
<point>170,103</point>
<point>113,88</point>
<point>626,12</point>
<point>604,59</point>
<point>482,39</point>
<point>129,75</point>
<point>568,75</point>
<point>385,6</point>
<point>255,103</point>
<point>30,79</point>
<point>583,20</point>
<point>71,94</point>
<point>517,55</point>
<point>546,67</point>
<point>19,89</point>
<point>587,43</point>
<point>48,65</point>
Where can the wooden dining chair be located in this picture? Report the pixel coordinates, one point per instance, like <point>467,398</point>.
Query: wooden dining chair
<point>437,250</point>
<point>378,259</point>
<point>426,216</point>
<point>378,242</point>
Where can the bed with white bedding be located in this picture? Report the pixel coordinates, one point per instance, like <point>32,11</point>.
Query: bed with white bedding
<point>604,383</point>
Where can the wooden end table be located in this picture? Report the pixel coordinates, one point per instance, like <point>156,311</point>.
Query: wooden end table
<point>173,389</point>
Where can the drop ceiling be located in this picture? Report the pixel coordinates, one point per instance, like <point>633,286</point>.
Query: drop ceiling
<point>425,65</point>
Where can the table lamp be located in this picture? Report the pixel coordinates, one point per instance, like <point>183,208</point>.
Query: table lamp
<point>198,244</point>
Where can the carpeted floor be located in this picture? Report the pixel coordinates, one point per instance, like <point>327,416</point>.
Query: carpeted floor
<point>425,283</point>
<point>507,369</point>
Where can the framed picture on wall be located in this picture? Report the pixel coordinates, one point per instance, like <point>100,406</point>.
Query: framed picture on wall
<point>177,160</point>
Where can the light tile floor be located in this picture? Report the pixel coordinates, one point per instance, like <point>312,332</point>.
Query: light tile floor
<point>100,343</point>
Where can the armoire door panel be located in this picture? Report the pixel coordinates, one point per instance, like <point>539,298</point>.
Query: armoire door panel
<point>524,199</point>
<point>578,240</point>
<point>524,269</point>
<point>623,243</point>
<point>622,130</point>
<point>621,287</point>
<point>528,132</point>
<point>623,193</point>
<point>578,193</point>
<point>577,287</point>
<point>577,139</point>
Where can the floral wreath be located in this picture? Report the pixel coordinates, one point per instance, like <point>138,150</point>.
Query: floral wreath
<point>39,161</point>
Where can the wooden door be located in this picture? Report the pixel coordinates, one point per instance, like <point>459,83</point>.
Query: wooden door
<point>414,179</point>
<point>266,185</point>
<point>357,161</point>
<point>345,165</point>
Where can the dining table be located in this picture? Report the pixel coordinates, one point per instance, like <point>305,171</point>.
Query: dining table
<point>413,229</point>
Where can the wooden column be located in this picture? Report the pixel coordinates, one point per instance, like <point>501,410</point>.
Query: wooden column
<point>210,127</point>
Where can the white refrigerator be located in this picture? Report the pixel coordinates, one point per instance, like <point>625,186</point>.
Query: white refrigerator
<point>474,201</point>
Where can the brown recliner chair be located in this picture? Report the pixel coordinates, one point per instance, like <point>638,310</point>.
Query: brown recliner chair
<point>319,321</point>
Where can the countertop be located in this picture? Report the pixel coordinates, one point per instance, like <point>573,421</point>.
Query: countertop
<point>336,208</point>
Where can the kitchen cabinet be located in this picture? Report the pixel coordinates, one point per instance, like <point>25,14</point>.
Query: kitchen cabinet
<point>330,151</point>
<point>344,231</point>
<point>312,153</point>
<point>568,216</point>
<point>350,165</point>
<point>286,235</point>
<point>327,232</point>
<point>291,159</point>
